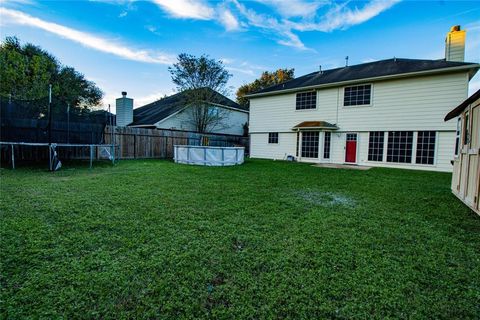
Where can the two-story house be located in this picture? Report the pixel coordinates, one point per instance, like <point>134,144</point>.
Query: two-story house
<point>384,113</point>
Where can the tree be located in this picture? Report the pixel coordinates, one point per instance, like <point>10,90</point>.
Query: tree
<point>27,70</point>
<point>204,81</point>
<point>267,79</point>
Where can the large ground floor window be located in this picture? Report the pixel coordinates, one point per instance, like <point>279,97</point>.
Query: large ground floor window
<point>310,144</point>
<point>326,144</point>
<point>400,146</point>
<point>375,146</point>
<point>426,147</point>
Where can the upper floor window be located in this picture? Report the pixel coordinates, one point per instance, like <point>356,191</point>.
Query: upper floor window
<point>273,137</point>
<point>357,95</point>
<point>306,100</point>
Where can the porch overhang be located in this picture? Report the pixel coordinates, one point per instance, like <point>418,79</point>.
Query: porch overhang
<point>315,125</point>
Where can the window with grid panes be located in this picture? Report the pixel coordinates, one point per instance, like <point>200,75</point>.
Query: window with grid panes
<point>306,100</point>
<point>375,146</point>
<point>273,137</point>
<point>326,145</point>
<point>426,147</point>
<point>357,95</point>
<point>399,146</point>
<point>310,144</point>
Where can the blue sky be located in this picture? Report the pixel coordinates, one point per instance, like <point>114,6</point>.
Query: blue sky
<point>128,45</point>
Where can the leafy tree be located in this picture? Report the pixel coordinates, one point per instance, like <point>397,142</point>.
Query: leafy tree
<point>267,79</point>
<point>203,80</point>
<point>27,70</point>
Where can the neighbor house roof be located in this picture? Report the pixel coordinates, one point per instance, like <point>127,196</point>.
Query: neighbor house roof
<point>367,71</point>
<point>150,114</point>
<point>315,125</point>
<point>458,110</point>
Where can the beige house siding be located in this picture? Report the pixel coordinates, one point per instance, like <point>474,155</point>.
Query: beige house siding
<point>409,104</point>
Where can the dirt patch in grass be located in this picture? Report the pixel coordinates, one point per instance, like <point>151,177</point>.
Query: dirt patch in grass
<point>326,198</point>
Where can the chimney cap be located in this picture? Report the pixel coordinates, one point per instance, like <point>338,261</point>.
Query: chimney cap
<point>124,93</point>
<point>455,28</point>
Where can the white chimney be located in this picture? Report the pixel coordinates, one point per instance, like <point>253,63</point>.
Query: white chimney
<point>455,44</point>
<point>124,107</point>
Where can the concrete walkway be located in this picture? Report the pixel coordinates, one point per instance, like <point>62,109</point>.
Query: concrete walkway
<point>341,166</point>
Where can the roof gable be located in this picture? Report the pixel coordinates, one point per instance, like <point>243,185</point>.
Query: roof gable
<point>156,111</point>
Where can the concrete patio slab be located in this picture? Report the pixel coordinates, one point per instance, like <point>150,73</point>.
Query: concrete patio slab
<point>341,166</point>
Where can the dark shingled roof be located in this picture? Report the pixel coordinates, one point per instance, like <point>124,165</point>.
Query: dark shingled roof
<point>153,112</point>
<point>375,69</point>
<point>458,110</point>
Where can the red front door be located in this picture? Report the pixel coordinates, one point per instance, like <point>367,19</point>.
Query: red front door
<point>351,148</point>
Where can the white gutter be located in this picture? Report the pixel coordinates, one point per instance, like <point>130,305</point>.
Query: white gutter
<point>342,83</point>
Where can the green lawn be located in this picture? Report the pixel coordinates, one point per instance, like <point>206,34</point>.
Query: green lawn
<point>152,239</point>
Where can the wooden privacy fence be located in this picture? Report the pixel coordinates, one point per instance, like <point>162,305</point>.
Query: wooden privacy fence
<point>139,143</point>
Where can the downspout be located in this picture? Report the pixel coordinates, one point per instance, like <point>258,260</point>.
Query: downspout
<point>338,100</point>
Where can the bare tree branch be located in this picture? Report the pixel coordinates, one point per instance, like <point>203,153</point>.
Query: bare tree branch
<point>204,81</point>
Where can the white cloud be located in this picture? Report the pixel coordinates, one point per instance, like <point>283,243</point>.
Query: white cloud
<point>17,1</point>
<point>295,8</point>
<point>243,67</point>
<point>343,17</point>
<point>241,70</point>
<point>337,17</point>
<point>143,100</point>
<point>123,14</point>
<point>88,40</point>
<point>186,9</point>
<point>292,15</point>
<point>271,26</point>
<point>228,20</point>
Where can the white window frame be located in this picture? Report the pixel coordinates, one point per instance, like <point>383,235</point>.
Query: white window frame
<point>458,137</point>
<point>300,151</point>
<point>360,105</point>
<point>278,138</point>
<point>310,109</point>
<point>435,152</point>
<point>357,151</point>
<point>323,146</point>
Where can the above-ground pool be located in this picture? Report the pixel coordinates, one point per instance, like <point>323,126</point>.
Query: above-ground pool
<point>209,156</point>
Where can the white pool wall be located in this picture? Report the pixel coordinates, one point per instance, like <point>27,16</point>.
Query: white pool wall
<point>209,156</point>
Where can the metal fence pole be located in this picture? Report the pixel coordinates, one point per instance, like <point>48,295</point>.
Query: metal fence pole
<point>50,166</point>
<point>13,157</point>
<point>91,156</point>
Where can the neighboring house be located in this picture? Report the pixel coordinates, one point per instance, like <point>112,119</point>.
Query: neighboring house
<point>384,113</point>
<point>173,113</point>
<point>466,163</point>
